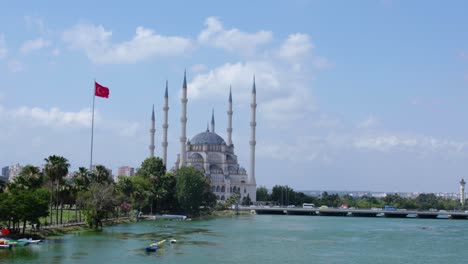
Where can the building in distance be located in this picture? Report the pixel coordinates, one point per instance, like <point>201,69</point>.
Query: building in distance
<point>125,171</point>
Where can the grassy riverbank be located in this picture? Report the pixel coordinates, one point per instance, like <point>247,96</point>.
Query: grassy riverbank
<point>59,230</point>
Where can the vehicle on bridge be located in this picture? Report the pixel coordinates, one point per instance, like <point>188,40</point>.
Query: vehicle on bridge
<point>389,208</point>
<point>308,205</point>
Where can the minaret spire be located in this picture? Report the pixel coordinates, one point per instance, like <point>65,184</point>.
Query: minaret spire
<point>251,178</point>
<point>229,113</point>
<point>462,192</point>
<point>183,121</point>
<point>212,121</point>
<point>165,126</point>
<point>152,131</point>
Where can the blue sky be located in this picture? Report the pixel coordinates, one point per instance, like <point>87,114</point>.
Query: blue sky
<point>352,95</point>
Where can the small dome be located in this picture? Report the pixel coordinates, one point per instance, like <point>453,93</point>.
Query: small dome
<point>208,138</point>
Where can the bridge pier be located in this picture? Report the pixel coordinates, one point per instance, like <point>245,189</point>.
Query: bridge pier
<point>427,216</point>
<point>364,214</point>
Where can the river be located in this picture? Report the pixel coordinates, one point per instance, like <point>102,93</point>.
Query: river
<point>259,239</point>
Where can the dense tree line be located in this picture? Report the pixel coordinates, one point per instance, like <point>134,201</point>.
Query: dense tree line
<point>284,195</point>
<point>38,196</point>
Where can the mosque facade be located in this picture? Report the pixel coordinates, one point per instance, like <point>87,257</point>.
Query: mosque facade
<point>209,153</point>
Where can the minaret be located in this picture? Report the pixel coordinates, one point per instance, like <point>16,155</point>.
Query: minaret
<point>212,121</point>
<point>462,192</point>
<point>183,121</point>
<point>229,112</point>
<point>152,131</point>
<point>165,126</point>
<point>251,178</point>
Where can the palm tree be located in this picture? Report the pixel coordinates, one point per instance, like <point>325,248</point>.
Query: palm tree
<point>30,177</point>
<point>101,175</point>
<point>81,182</point>
<point>56,168</point>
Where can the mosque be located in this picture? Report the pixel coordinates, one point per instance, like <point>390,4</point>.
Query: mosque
<point>209,153</point>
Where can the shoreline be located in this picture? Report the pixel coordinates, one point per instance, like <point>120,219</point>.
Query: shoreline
<point>50,232</point>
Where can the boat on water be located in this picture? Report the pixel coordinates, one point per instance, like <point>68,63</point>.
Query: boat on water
<point>29,240</point>
<point>6,246</point>
<point>154,246</point>
<point>166,216</point>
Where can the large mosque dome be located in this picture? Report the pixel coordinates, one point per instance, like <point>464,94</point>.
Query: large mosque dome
<point>207,138</point>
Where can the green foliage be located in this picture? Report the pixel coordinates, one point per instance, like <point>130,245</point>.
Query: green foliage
<point>56,167</point>
<point>20,205</point>
<point>262,194</point>
<point>282,195</point>
<point>246,200</point>
<point>141,191</point>
<point>193,191</point>
<point>101,175</point>
<point>81,179</point>
<point>30,177</point>
<point>232,200</point>
<point>98,202</point>
<point>151,167</point>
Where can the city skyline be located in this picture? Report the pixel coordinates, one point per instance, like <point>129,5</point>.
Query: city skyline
<point>367,96</point>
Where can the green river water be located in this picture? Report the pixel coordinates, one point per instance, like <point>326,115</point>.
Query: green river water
<point>260,239</point>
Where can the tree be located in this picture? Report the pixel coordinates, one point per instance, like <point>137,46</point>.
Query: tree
<point>30,177</point>
<point>141,192</point>
<point>262,194</point>
<point>98,201</point>
<point>2,185</point>
<point>193,190</point>
<point>81,182</point>
<point>282,194</point>
<point>125,186</point>
<point>152,166</point>
<point>154,170</point>
<point>100,175</point>
<point>167,193</point>
<point>246,200</point>
<point>233,200</point>
<point>56,168</point>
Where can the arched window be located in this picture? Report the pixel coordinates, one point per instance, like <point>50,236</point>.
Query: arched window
<point>230,189</point>
<point>196,157</point>
<point>223,189</point>
<point>215,169</point>
<point>222,198</point>
<point>217,188</point>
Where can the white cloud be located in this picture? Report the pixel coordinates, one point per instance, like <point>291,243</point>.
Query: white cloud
<point>15,66</point>
<point>293,107</point>
<point>295,47</point>
<point>302,149</point>
<point>216,82</point>
<point>33,45</point>
<point>53,116</point>
<point>3,47</point>
<point>96,43</point>
<point>35,23</point>
<point>232,40</point>
<point>367,123</point>
<point>408,143</point>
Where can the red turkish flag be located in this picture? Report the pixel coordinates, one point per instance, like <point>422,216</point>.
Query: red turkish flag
<point>100,90</point>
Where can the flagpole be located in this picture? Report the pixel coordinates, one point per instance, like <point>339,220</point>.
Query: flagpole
<point>92,128</point>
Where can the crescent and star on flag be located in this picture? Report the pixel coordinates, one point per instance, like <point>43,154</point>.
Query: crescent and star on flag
<point>100,90</point>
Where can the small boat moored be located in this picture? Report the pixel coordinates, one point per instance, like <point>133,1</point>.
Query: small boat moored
<point>154,246</point>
